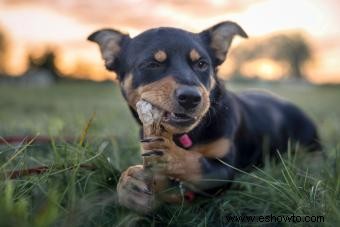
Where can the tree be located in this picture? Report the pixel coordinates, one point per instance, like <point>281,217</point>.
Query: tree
<point>294,50</point>
<point>290,48</point>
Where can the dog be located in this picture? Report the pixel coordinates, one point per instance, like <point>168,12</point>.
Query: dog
<point>214,132</point>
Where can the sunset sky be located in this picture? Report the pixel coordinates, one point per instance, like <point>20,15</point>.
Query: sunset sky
<point>65,24</point>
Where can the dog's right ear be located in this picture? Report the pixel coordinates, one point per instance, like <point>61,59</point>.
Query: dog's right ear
<point>110,42</point>
<point>219,38</point>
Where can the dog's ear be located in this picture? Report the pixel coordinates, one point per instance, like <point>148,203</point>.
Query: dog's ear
<point>219,38</point>
<point>110,42</point>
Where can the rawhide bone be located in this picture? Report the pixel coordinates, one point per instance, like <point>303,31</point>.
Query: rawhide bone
<point>151,117</point>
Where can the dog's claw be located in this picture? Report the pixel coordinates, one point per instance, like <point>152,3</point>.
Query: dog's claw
<point>142,189</point>
<point>154,152</point>
<point>147,191</point>
<point>151,139</point>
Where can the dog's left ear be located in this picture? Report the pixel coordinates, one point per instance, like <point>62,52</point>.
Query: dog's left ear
<point>110,42</point>
<point>219,38</point>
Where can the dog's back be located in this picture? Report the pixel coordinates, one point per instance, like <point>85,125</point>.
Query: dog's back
<point>268,124</point>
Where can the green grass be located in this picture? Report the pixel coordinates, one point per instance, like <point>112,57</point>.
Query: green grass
<point>298,184</point>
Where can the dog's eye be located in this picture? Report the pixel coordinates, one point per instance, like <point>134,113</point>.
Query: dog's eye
<point>152,65</point>
<point>201,65</point>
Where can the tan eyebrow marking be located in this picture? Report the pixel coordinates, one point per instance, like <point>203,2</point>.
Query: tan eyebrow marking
<point>160,56</point>
<point>194,55</point>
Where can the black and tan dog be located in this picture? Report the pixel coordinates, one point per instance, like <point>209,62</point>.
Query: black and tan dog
<point>212,130</point>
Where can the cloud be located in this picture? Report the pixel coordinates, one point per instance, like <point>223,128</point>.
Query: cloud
<point>138,14</point>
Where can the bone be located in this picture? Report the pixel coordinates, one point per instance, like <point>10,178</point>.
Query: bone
<point>150,117</point>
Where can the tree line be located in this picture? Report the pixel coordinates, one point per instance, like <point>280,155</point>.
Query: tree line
<point>291,48</point>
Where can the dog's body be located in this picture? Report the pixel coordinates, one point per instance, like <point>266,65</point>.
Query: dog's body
<point>175,70</point>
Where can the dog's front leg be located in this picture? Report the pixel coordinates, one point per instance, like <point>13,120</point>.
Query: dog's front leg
<point>192,167</point>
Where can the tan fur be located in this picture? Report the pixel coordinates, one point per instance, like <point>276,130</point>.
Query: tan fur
<point>160,56</point>
<point>176,162</point>
<point>194,55</point>
<point>205,97</point>
<point>141,202</point>
<point>222,36</point>
<point>220,45</point>
<point>212,82</point>
<point>181,164</point>
<point>216,149</point>
<point>171,197</point>
<point>160,94</point>
<point>109,43</point>
<point>163,191</point>
<point>135,177</point>
<point>110,49</point>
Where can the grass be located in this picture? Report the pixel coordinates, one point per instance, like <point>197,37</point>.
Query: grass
<point>70,195</point>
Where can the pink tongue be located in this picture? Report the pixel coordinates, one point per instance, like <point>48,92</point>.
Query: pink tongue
<point>185,141</point>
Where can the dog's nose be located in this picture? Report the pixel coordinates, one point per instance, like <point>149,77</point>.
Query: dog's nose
<point>188,97</point>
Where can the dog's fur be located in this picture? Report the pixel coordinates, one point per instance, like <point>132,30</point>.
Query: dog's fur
<point>229,130</point>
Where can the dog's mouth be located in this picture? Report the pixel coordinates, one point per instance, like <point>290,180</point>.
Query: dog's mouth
<point>175,120</point>
<point>179,119</point>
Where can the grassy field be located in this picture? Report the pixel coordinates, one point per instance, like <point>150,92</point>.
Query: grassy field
<point>96,119</point>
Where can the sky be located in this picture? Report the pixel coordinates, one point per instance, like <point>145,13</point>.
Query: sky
<point>65,24</point>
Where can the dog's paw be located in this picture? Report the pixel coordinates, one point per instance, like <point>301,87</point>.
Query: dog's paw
<point>134,191</point>
<point>155,143</point>
<point>163,156</point>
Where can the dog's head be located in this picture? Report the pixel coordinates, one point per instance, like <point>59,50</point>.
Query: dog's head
<point>171,68</point>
